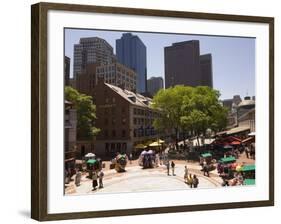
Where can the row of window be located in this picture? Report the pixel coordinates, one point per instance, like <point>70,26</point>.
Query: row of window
<point>141,132</point>
<point>143,121</point>
<point>113,121</point>
<point>114,133</point>
<point>115,147</point>
<point>144,112</point>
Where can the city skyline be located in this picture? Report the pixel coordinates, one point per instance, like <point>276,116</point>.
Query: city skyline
<point>233,57</point>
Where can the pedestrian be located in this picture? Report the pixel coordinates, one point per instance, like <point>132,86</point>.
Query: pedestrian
<point>95,180</point>
<point>78,178</point>
<point>131,158</point>
<point>185,174</point>
<point>190,180</point>
<point>247,151</point>
<point>101,174</point>
<point>168,168</point>
<point>205,168</point>
<point>173,168</point>
<point>195,181</point>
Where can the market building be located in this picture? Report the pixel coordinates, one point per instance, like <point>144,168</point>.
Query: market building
<point>125,119</point>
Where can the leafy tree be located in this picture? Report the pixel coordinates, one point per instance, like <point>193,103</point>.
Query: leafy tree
<point>189,109</point>
<point>86,113</point>
<point>168,102</point>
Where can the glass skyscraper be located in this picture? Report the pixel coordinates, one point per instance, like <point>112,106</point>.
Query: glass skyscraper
<point>131,51</point>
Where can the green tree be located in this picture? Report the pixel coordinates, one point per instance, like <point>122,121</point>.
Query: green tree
<point>86,113</point>
<point>168,103</point>
<point>189,109</point>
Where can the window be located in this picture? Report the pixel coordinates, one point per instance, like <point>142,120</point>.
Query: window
<point>113,133</point>
<point>123,133</point>
<point>123,120</point>
<point>113,121</point>
<point>106,121</point>
<point>105,133</point>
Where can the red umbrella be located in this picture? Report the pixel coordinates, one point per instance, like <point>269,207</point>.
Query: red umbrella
<point>235,143</point>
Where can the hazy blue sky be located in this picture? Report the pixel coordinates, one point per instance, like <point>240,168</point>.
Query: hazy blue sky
<point>233,57</point>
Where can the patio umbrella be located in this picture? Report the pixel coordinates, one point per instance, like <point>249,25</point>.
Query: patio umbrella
<point>91,161</point>
<point>140,146</point>
<point>90,155</point>
<point>154,144</point>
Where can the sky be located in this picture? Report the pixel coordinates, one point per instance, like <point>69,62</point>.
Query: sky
<point>233,57</point>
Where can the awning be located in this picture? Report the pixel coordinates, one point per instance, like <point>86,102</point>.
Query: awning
<point>237,130</point>
<point>248,139</point>
<point>228,159</point>
<point>235,143</point>
<point>251,167</point>
<point>205,155</point>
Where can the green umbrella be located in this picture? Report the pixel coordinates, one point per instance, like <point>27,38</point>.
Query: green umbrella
<point>249,168</point>
<point>91,161</point>
<point>228,159</point>
<point>205,155</point>
<point>249,182</point>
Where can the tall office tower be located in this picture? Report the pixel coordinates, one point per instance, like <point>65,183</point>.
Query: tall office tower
<point>91,50</point>
<point>131,51</point>
<point>154,84</point>
<point>66,70</point>
<point>206,70</point>
<point>183,65</point>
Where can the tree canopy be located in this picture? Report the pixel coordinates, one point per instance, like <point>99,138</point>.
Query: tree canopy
<point>189,109</point>
<point>86,113</point>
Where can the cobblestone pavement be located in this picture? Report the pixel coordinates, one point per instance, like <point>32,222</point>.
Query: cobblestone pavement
<point>136,179</point>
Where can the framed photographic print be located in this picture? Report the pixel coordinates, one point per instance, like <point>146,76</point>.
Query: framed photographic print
<point>139,111</point>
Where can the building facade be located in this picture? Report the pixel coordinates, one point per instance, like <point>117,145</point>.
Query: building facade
<point>131,51</point>
<point>66,70</point>
<point>70,133</point>
<point>185,66</point>
<point>118,75</point>
<point>125,119</point>
<point>154,84</point>
<point>89,51</point>
<point>206,70</point>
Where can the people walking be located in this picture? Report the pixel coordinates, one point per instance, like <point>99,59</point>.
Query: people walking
<point>205,169</point>
<point>168,168</point>
<point>131,158</point>
<point>247,151</point>
<point>95,180</point>
<point>195,181</point>
<point>78,178</point>
<point>173,168</point>
<point>190,180</point>
<point>185,174</point>
<point>101,174</point>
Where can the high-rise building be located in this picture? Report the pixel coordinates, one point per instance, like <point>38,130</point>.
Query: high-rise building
<point>66,70</point>
<point>91,50</point>
<point>131,51</point>
<point>184,66</point>
<point>118,74</point>
<point>206,70</point>
<point>154,84</point>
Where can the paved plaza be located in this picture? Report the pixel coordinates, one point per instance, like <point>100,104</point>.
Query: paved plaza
<point>136,179</point>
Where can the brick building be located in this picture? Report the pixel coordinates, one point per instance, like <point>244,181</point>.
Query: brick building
<point>125,119</point>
